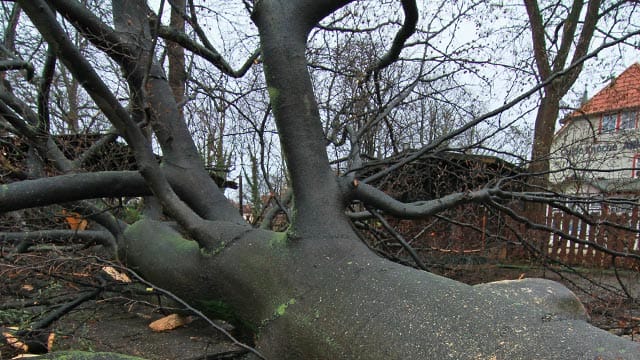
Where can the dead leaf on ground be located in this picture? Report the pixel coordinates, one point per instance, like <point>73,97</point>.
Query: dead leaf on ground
<point>116,275</point>
<point>14,342</point>
<point>169,322</point>
<point>75,220</point>
<point>50,339</point>
<point>17,344</point>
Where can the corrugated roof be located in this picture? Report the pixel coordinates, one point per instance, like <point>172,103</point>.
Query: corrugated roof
<point>622,93</point>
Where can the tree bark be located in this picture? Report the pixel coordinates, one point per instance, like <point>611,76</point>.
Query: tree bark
<point>334,299</point>
<point>283,29</point>
<point>177,73</point>
<point>548,111</point>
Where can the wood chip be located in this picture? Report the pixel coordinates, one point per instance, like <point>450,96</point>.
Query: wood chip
<point>169,322</point>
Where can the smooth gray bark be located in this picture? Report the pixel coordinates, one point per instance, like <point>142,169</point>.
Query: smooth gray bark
<point>331,298</point>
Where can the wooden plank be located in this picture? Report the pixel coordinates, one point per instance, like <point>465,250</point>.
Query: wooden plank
<point>588,253</point>
<point>555,239</point>
<point>574,248</point>
<point>567,228</point>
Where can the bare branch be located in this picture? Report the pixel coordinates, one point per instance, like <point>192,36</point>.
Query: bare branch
<point>502,108</point>
<point>14,64</point>
<point>380,200</point>
<point>408,28</point>
<point>535,226</point>
<point>48,72</point>
<point>209,54</point>
<point>412,252</point>
<point>99,33</point>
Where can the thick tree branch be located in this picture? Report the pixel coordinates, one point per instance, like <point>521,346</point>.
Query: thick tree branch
<point>48,72</point>
<point>9,40</point>
<point>374,197</point>
<point>71,187</point>
<point>568,34</point>
<point>154,95</point>
<point>23,128</point>
<point>283,32</point>
<point>582,47</point>
<point>15,64</point>
<point>538,38</point>
<point>99,33</point>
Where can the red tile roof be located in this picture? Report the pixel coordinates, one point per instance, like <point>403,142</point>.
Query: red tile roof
<point>622,93</point>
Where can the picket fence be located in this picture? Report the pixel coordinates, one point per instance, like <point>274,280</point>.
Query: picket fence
<point>597,242</point>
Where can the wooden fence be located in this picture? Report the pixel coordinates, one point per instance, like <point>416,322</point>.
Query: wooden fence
<point>590,243</point>
<point>493,236</point>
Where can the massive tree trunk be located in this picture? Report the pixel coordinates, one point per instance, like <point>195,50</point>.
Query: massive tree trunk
<point>315,292</point>
<point>332,298</point>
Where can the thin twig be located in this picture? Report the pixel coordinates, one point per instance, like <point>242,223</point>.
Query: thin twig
<point>400,239</point>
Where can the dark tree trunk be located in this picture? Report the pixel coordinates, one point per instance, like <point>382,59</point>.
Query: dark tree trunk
<point>316,292</point>
<point>331,298</point>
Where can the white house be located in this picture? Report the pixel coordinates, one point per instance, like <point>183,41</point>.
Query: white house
<point>597,150</point>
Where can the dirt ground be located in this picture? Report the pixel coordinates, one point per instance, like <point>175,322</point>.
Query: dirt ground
<point>35,285</point>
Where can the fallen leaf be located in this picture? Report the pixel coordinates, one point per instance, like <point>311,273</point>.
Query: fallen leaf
<point>50,339</point>
<point>14,342</point>
<point>116,275</point>
<point>75,220</point>
<point>27,287</point>
<point>169,322</point>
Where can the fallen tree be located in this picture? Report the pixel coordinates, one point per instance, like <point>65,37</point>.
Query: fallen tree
<point>316,291</point>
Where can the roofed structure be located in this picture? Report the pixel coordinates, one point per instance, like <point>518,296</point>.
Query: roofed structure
<point>597,150</point>
<point>623,92</point>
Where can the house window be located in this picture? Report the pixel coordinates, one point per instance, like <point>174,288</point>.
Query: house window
<point>609,123</point>
<point>628,120</point>
<point>635,169</point>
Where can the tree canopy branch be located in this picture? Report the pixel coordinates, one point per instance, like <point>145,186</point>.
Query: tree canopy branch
<point>209,54</point>
<point>410,9</point>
